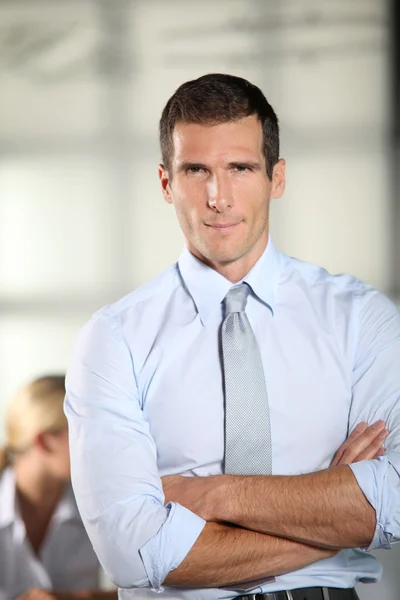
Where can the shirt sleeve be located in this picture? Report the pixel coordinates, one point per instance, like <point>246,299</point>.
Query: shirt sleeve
<point>376,395</point>
<point>114,466</point>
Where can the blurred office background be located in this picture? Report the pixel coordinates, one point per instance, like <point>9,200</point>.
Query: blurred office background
<point>82,86</point>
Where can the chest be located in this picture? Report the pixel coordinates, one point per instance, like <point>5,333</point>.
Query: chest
<point>309,395</point>
<point>36,526</point>
<point>66,560</point>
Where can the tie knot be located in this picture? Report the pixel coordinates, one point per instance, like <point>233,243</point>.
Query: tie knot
<point>236,299</point>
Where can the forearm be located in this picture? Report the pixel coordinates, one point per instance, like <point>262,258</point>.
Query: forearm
<point>102,595</point>
<point>326,508</point>
<point>224,555</point>
<point>88,595</point>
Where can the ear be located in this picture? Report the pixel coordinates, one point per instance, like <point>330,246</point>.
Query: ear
<point>165,183</point>
<point>42,442</point>
<point>278,179</point>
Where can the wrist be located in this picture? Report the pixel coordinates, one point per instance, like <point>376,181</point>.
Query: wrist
<point>221,498</point>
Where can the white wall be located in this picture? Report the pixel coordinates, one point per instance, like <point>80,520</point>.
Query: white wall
<point>81,216</point>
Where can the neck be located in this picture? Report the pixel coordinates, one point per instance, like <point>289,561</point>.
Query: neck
<point>237,269</point>
<point>234,271</point>
<point>36,487</point>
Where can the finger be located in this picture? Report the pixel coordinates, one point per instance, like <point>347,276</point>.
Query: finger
<point>357,431</point>
<point>36,594</point>
<point>363,449</point>
<point>363,441</point>
<point>39,594</point>
<point>373,449</point>
<point>27,595</point>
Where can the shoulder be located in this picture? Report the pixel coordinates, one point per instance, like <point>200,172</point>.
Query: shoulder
<point>7,497</point>
<point>69,557</point>
<point>67,509</point>
<point>316,281</point>
<point>373,302</point>
<point>378,320</point>
<point>67,521</point>
<point>142,304</point>
<point>312,276</point>
<point>153,293</point>
<point>344,300</point>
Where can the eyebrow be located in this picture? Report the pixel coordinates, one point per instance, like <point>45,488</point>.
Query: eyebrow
<point>254,166</point>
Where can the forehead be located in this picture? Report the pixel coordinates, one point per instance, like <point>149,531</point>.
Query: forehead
<point>196,141</point>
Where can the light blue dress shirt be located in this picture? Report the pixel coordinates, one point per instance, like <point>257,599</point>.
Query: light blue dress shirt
<point>145,399</point>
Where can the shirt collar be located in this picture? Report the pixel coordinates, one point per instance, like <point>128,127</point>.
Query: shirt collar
<point>7,497</point>
<point>66,509</point>
<point>208,288</point>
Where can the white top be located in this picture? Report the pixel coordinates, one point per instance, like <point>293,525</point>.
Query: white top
<point>66,560</point>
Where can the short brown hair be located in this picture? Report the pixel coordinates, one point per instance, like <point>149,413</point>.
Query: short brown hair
<point>217,98</point>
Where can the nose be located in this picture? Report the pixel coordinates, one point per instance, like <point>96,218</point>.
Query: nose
<point>219,194</point>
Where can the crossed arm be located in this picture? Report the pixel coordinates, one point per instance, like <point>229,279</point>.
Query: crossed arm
<point>285,523</point>
<point>268,533</point>
<point>224,555</point>
<point>142,543</point>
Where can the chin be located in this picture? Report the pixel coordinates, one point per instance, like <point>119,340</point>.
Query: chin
<point>223,257</point>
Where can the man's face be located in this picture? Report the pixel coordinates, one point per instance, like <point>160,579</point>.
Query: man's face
<point>221,192</point>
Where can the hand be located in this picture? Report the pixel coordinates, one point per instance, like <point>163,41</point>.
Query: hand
<point>40,594</point>
<point>37,594</point>
<point>195,493</point>
<point>364,443</point>
<point>200,494</point>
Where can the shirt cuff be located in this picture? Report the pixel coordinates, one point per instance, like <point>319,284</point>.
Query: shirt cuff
<point>167,549</point>
<point>366,473</point>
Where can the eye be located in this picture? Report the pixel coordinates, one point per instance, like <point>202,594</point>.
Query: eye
<point>195,169</point>
<point>241,168</point>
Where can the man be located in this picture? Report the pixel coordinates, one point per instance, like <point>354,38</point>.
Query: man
<point>247,369</point>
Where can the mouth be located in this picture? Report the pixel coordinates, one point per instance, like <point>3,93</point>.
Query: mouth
<point>222,226</point>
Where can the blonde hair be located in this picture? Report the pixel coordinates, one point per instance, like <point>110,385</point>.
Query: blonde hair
<point>36,407</point>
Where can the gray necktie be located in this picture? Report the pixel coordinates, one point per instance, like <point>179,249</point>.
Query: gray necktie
<point>247,424</point>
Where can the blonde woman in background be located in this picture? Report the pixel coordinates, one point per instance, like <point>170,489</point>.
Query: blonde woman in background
<point>44,550</point>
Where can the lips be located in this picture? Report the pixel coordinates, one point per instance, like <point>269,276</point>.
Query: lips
<point>222,225</point>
